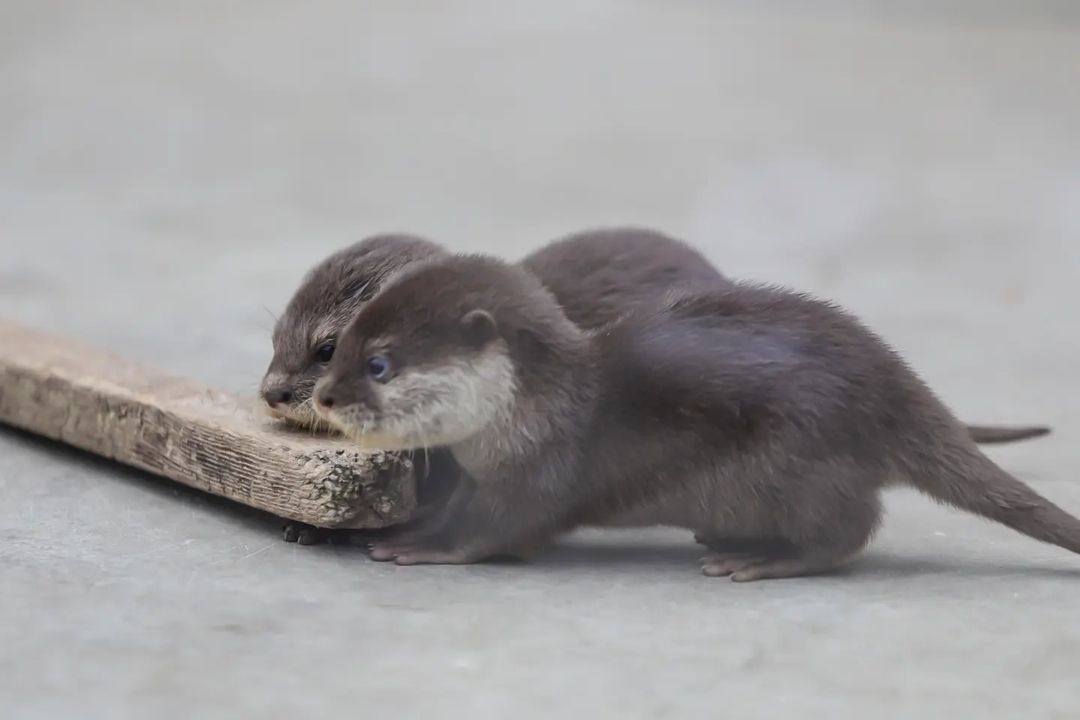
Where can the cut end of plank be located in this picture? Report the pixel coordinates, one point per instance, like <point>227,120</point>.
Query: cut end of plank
<point>195,435</point>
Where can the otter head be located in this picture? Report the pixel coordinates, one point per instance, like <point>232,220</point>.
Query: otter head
<point>440,355</point>
<point>305,337</point>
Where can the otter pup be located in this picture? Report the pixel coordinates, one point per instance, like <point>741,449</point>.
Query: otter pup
<point>330,294</point>
<point>765,421</point>
<point>595,275</point>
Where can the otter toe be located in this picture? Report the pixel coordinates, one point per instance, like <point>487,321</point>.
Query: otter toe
<point>724,564</point>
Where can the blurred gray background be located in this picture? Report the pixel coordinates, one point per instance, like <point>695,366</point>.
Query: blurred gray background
<point>169,170</point>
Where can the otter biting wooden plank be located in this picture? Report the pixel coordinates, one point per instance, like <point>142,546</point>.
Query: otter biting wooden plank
<point>187,432</point>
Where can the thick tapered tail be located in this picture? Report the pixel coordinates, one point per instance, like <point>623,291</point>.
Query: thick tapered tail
<point>997,434</point>
<point>971,481</point>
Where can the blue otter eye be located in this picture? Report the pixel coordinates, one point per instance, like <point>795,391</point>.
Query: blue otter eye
<point>324,352</point>
<point>378,368</point>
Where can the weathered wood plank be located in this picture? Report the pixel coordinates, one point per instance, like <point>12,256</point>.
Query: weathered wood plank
<point>193,434</point>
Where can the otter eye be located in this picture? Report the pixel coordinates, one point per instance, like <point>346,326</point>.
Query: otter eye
<point>378,368</point>
<point>324,352</point>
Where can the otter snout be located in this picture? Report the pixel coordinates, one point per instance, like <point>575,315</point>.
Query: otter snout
<point>324,398</point>
<point>331,393</point>
<point>277,395</point>
<point>277,389</point>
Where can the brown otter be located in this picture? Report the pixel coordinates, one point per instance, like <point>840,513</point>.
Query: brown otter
<point>595,275</point>
<point>764,420</point>
<point>330,294</point>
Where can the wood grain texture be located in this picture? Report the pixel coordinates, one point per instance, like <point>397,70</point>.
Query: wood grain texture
<point>195,435</point>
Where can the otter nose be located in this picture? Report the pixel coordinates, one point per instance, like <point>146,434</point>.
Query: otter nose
<point>324,398</point>
<point>277,396</point>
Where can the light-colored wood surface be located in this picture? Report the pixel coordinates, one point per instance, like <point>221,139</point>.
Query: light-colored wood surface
<point>193,434</point>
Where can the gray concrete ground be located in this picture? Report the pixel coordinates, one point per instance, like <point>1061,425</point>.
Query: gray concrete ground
<point>167,170</point>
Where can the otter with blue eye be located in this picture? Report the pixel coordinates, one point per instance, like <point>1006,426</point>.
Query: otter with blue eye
<point>596,276</point>
<point>763,420</point>
<point>378,368</point>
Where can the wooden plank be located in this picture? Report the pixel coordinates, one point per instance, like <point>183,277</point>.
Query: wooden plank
<point>195,435</point>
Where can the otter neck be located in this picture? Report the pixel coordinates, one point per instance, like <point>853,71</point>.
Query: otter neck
<point>554,400</point>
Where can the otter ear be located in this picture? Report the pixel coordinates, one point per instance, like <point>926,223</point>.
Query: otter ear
<point>478,327</point>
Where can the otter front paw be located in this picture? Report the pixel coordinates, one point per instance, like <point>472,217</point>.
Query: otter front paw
<point>394,540</point>
<point>421,553</point>
<point>303,534</point>
<point>435,556</point>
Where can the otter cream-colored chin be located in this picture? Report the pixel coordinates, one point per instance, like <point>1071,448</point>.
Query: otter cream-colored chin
<point>274,412</point>
<point>300,415</point>
<point>364,435</point>
<point>309,424</point>
<point>382,441</point>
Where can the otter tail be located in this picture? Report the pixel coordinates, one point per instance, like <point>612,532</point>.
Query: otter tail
<point>997,434</point>
<point>969,480</point>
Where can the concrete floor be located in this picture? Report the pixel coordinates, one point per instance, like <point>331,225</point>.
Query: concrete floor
<point>167,171</point>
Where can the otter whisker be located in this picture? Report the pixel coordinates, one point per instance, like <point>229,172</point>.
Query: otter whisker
<point>271,313</point>
<point>423,444</point>
<point>362,437</point>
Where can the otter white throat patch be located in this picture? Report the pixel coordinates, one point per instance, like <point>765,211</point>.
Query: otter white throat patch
<point>449,403</point>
